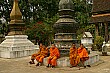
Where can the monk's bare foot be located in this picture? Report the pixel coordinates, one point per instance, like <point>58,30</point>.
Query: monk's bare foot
<point>71,66</point>
<point>37,64</point>
<point>31,62</point>
<point>41,64</point>
<point>79,67</point>
<point>48,66</point>
<point>84,66</point>
<point>53,66</point>
<point>88,66</point>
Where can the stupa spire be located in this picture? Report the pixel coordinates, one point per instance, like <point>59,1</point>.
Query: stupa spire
<point>16,24</point>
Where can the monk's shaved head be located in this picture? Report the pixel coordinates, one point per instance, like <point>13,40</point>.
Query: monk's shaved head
<point>81,45</point>
<point>73,45</point>
<point>53,45</point>
<point>41,44</point>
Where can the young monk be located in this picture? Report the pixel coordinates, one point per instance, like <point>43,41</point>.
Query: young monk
<point>54,55</point>
<point>83,54</point>
<point>74,57</point>
<point>42,55</point>
<point>33,57</point>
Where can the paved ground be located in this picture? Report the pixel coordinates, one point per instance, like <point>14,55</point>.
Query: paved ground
<point>21,65</point>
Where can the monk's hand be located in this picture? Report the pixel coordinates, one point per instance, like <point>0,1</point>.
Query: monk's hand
<point>72,56</point>
<point>51,57</point>
<point>54,55</point>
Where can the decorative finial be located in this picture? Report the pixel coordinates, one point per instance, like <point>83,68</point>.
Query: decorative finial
<point>16,24</point>
<point>15,13</point>
<point>66,4</point>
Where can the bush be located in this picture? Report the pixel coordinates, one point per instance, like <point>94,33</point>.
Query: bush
<point>99,42</point>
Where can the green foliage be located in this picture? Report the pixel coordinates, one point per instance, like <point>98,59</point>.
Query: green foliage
<point>37,31</point>
<point>82,16</point>
<point>42,31</point>
<point>99,42</point>
<point>82,12</point>
<point>5,10</point>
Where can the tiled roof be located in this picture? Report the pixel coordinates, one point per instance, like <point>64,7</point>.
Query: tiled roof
<point>101,11</point>
<point>101,5</point>
<point>87,34</point>
<point>100,18</point>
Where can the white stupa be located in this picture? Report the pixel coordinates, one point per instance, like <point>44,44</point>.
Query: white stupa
<point>16,43</point>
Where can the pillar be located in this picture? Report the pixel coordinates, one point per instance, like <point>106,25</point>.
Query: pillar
<point>106,32</point>
<point>96,29</point>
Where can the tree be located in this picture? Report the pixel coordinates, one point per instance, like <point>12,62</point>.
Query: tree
<point>42,31</point>
<point>82,11</point>
<point>5,9</point>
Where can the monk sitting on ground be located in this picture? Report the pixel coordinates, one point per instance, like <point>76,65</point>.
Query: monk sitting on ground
<point>42,55</point>
<point>83,54</point>
<point>54,55</point>
<point>33,57</point>
<point>74,57</point>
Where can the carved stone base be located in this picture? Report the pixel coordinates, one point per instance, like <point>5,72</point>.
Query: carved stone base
<point>17,46</point>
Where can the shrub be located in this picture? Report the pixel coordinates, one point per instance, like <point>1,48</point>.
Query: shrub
<point>99,42</point>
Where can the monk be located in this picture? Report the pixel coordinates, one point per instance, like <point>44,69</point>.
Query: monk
<point>74,57</point>
<point>33,57</point>
<point>83,54</point>
<point>54,55</point>
<point>42,55</point>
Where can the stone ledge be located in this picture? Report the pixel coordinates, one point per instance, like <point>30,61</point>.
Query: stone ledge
<point>64,61</point>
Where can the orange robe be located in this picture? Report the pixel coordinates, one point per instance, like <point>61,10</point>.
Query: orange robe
<point>74,57</point>
<point>54,55</point>
<point>83,54</point>
<point>33,57</point>
<point>43,53</point>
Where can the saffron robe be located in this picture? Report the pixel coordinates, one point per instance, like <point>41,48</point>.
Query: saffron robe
<point>42,54</point>
<point>54,55</point>
<point>74,57</point>
<point>83,54</point>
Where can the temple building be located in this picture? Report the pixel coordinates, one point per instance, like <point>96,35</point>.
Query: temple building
<point>101,15</point>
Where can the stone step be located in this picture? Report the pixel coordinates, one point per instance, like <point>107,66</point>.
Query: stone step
<point>17,54</point>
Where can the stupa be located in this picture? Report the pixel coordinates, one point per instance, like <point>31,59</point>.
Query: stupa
<point>16,43</point>
<point>65,27</point>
